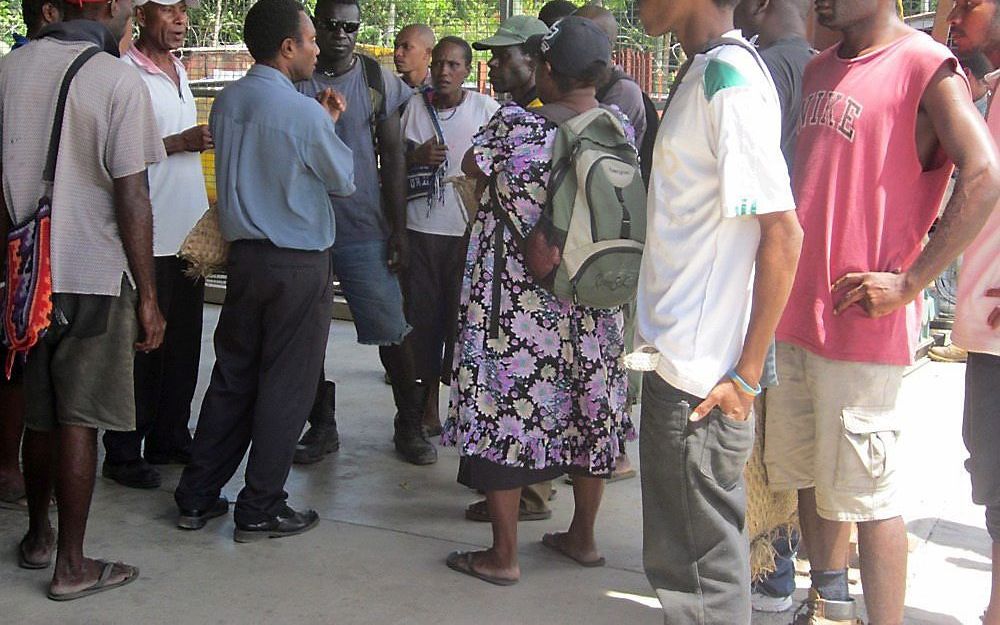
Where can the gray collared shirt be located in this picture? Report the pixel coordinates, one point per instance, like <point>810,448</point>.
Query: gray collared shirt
<point>277,157</point>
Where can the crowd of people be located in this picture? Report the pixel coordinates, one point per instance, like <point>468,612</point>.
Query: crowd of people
<point>789,195</point>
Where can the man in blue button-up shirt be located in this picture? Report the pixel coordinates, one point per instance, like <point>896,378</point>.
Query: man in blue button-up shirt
<point>277,159</point>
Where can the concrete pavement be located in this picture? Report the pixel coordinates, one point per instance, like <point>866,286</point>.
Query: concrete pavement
<point>377,557</point>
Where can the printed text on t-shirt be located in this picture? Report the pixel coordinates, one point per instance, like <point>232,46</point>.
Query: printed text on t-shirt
<point>833,109</point>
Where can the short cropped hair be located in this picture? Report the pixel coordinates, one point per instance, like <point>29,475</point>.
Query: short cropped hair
<point>457,42</point>
<point>268,24</point>
<point>555,10</point>
<point>31,12</point>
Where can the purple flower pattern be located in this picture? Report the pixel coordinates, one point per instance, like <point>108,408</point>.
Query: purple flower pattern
<point>550,388</point>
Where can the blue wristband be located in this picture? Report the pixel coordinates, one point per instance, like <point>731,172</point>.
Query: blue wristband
<point>742,384</point>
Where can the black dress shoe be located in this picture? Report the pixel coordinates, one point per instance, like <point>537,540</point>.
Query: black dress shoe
<point>196,519</point>
<point>135,474</point>
<point>288,523</point>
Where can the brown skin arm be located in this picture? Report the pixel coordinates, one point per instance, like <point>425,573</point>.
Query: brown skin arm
<point>135,224</point>
<point>392,161</point>
<point>777,258</point>
<point>471,169</point>
<point>194,139</point>
<point>962,134</point>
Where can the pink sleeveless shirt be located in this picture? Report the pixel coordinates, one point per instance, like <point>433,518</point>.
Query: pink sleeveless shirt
<point>864,200</point>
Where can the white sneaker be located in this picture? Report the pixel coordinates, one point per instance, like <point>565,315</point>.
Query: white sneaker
<point>766,603</point>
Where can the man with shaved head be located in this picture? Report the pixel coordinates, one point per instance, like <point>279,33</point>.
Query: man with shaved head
<point>412,54</point>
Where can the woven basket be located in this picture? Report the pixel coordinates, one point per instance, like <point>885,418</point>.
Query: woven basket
<point>204,248</point>
<point>469,194</point>
<point>767,512</point>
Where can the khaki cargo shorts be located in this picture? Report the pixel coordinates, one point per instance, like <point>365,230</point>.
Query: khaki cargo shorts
<point>833,426</point>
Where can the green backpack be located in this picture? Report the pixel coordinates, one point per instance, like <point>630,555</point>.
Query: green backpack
<point>587,245</point>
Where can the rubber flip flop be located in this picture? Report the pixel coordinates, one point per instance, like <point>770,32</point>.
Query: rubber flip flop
<point>100,585</point>
<point>25,563</point>
<point>461,561</point>
<point>549,540</point>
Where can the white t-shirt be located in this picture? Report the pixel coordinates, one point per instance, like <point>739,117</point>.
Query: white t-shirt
<point>716,163</point>
<point>176,185</point>
<point>459,125</point>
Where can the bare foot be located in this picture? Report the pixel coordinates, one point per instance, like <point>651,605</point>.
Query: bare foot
<point>66,581</point>
<point>584,552</point>
<point>38,548</point>
<point>490,563</point>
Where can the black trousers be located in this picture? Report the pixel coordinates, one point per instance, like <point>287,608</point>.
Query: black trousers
<point>269,348</point>
<point>432,290</point>
<point>166,378</point>
<point>695,550</point>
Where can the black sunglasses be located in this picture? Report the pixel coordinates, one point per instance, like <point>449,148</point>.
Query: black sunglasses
<point>331,25</point>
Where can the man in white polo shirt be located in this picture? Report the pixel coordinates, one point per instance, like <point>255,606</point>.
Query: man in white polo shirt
<point>165,378</point>
<point>722,243</point>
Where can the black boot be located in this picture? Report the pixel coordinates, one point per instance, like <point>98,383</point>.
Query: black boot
<point>410,438</point>
<point>322,437</point>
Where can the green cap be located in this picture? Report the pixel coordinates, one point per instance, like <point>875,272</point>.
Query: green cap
<point>514,31</point>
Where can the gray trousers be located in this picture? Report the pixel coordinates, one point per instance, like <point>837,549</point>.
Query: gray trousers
<point>695,550</point>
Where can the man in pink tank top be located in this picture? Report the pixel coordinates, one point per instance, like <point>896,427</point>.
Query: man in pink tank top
<point>885,115</point>
<point>975,27</point>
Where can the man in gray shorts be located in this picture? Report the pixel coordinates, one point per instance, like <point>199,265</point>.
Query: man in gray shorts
<point>78,378</point>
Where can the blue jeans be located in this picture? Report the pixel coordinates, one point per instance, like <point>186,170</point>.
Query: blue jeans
<point>781,583</point>
<point>372,291</point>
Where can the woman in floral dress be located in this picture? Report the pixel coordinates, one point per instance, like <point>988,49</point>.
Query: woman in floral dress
<point>539,388</point>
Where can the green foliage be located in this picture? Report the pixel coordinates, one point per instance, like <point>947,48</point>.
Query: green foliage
<point>10,22</point>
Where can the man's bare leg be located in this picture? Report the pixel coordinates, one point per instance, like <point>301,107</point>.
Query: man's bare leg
<point>11,427</point>
<point>40,460</point>
<point>77,466</point>
<point>579,542</point>
<point>992,616</point>
<point>882,547</point>
<point>829,541</point>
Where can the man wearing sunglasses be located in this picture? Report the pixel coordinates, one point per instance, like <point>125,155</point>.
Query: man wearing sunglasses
<point>370,248</point>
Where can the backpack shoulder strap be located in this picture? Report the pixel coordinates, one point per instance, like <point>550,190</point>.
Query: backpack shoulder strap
<point>732,41</point>
<point>375,82</point>
<point>616,75</point>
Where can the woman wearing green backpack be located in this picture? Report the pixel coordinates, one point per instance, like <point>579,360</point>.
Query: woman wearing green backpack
<point>539,387</point>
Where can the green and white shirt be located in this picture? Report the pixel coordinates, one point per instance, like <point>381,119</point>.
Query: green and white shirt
<point>717,162</point>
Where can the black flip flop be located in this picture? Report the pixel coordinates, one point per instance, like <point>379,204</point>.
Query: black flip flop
<point>100,585</point>
<point>461,561</point>
<point>25,563</point>
<point>549,541</point>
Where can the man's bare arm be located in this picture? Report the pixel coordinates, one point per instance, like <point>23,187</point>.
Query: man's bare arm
<point>392,162</point>
<point>777,259</point>
<point>135,225</point>
<point>963,135</point>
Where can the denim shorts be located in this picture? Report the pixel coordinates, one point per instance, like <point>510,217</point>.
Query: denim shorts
<point>372,291</point>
